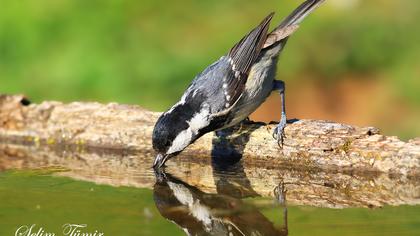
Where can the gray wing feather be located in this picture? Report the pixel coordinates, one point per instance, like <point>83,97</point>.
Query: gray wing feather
<point>244,53</point>
<point>240,60</point>
<point>224,80</point>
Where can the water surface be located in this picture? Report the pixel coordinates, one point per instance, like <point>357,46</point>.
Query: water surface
<point>117,193</point>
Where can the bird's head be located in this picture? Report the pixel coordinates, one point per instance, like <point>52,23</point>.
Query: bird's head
<point>172,134</point>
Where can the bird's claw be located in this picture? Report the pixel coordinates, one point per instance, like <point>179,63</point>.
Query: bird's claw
<point>278,132</point>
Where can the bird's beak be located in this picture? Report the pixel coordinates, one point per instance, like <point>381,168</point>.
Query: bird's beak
<point>160,174</point>
<point>160,160</point>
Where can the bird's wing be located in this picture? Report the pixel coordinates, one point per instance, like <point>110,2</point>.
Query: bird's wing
<point>240,60</point>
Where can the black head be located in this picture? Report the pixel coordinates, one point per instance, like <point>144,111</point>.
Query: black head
<point>171,134</point>
<point>162,137</point>
<point>177,128</point>
<point>166,129</point>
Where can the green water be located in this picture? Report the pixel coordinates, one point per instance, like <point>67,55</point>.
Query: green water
<point>49,201</point>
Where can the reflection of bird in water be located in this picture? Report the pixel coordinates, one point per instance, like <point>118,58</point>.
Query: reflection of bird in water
<point>199,213</point>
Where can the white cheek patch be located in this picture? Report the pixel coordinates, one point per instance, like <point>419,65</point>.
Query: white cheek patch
<point>181,141</point>
<point>200,120</point>
<point>184,138</point>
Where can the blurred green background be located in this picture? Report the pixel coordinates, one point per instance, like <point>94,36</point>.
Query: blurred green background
<point>351,61</point>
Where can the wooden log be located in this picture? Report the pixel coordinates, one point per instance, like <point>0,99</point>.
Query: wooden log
<point>309,144</point>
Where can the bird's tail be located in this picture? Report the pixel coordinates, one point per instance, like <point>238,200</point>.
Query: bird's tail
<point>300,13</point>
<point>291,22</point>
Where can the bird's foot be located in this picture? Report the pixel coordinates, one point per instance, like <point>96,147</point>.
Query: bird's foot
<point>280,194</point>
<point>278,132</point>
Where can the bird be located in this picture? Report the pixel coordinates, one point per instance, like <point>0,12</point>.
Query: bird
<point>230,89</point>
<point>200,213</point>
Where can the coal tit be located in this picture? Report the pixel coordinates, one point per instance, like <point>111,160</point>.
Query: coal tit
<point>230,89</point>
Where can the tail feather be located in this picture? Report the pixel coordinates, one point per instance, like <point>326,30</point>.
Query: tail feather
<point>290,24</point>
<point>300,13</point>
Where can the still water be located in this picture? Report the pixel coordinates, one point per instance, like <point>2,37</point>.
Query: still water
<point>109,192</point>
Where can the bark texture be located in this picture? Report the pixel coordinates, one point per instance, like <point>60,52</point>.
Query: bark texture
<point>309,144</point>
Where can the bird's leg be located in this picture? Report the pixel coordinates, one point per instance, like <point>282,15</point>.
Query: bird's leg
<point>280,195</point>
<point>278,133</point>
